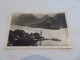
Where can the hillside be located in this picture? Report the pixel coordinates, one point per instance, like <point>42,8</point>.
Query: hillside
<point>54,23</point>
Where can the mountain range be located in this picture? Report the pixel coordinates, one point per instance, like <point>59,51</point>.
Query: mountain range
<point>56,22</point>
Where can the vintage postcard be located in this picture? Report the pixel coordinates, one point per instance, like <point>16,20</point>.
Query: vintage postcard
<point>38,30</point>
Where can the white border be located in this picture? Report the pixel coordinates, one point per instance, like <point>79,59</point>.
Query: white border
<point>31,47</point>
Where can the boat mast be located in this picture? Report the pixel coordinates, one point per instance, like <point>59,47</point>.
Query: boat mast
<point>41,33</point>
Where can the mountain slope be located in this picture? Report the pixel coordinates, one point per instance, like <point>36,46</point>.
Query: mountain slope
<point>46,22</point>
<point>56,22</point>
<point>26,19</point>
<point>61,20</point>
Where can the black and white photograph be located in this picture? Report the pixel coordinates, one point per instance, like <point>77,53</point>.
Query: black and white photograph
<point>39,30</point>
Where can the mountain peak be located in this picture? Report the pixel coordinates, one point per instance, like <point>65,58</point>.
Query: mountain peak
<point>46,16</point>
<point>27,16</point>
